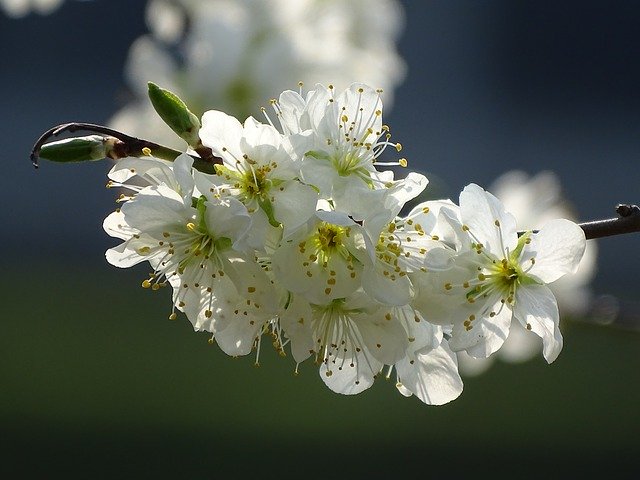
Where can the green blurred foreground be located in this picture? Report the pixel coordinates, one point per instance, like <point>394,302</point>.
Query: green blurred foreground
<point>97,383</point>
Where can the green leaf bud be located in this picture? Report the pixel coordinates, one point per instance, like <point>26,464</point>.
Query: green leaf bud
<point>79,149</point>
<point>175,113</point>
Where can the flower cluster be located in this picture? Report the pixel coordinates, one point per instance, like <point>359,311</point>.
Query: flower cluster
<point>301,235</point>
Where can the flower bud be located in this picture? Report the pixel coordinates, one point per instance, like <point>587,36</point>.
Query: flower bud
<point>175,113</point>
<point>79,149</point>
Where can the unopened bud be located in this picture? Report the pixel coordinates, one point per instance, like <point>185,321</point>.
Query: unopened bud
<point>79,149</point>
<point>175,113</point>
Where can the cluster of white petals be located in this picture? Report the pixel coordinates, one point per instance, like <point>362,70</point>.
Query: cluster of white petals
<point>234,55</point>
<point>20,8</point>
<point>300,235</point>
<point>535,200</point>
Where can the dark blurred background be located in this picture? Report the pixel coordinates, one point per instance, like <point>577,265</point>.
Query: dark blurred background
<point>95,382</point>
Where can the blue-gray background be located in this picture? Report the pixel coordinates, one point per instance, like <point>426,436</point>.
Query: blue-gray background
<point>93,379</point>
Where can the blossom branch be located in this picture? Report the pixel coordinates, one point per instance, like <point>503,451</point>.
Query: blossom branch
<point>627,221</point>
<point>120,145</point>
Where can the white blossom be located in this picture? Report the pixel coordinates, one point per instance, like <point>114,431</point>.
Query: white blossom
<point>345,137</point>
<point>534,200</point>
<point>261,169</point>
<point>352,338</point>
<point>196,244</point>
<point>496,275</point>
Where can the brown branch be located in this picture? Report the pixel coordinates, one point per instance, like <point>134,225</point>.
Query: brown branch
<point>126,146</point>
<point>627,221</point>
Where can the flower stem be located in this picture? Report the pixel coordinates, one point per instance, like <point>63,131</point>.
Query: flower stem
<point>127,146</point>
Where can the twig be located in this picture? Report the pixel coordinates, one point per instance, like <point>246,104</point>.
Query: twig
<point>126,146</point>
<point>627,221</point>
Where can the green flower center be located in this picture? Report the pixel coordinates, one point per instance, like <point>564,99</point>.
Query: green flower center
<point>329,237</point>
<point>507,273</point>
<point>254,182</point>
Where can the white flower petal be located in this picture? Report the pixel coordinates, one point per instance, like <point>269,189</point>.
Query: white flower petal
<point>222,133</point>
<point>151,171</point>
<point>383,336</point>
<point>227,218</point>
<point>291,107</point>
<point>480,211</point>
<point>388,289</point>
<point>293,204</point>
<point>537,310</point>
<point>123,256</point>
<point>348,374</point>
<point>485,335</point>
<point>239,336</point>
<point>432,377</point>
<point>155,208</point>
<point>296,321</point>
<point>557,249</point>
<point>182,169</point>
<point>116,226</point>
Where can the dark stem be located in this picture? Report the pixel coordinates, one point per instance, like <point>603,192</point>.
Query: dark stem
<point>127,146</point>
<point>627,221</point>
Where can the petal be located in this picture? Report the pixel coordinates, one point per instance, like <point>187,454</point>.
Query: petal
<point>480,211</point>
<point>257,135</point>
<point>222,133</point>
<point>123,256</point>
<point>319,173</point>
<point>485,335</point>
<point>151,171</point>
<point>439,259</point>
<point>227,217</point>
<point>423,336</point>
<point>293,204</point>
<point>239,336</point>
<point>389,289</point>
<point>296,322</point>
<point>116,226</point>
<point>426,215</point>
<point>182,169</point>
<point>155,209</point>
<point>432,300</point>
<point>383,336</point>
<point>557,248</point>
<point>537,310</point>
<point>432,377</point>
<point>289,108</point>
<point>348,374</point>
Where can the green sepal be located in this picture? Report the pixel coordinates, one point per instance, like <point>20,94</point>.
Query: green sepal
<point>79,149</point>
<point>523,239</point>
<point>222,244</point>
<point>175,114</point>
<point>202,208</point>
<point>318,154</point>
<point>267,207</point>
